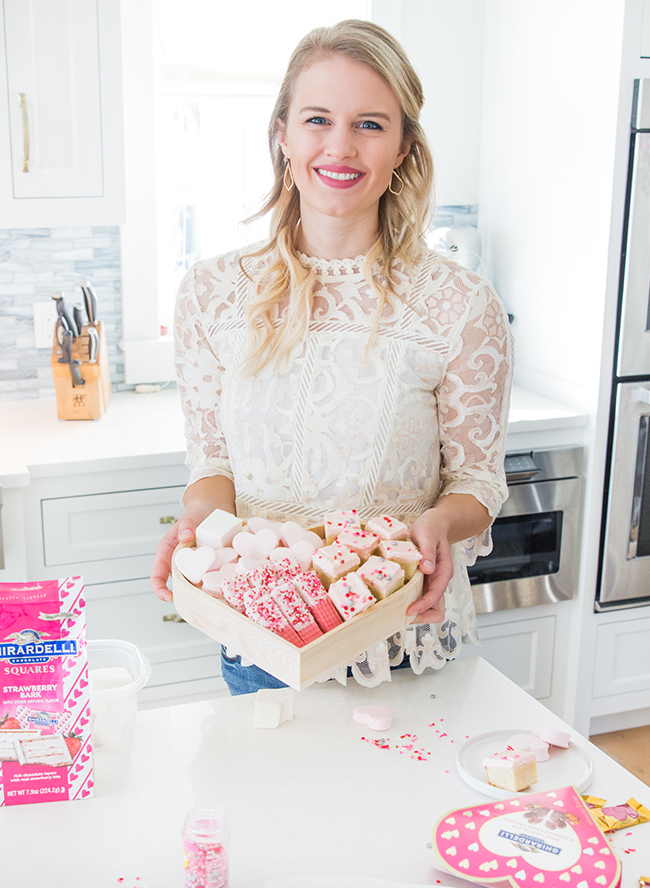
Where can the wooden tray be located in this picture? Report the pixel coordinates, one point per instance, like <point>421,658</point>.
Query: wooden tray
<point>297,667</point>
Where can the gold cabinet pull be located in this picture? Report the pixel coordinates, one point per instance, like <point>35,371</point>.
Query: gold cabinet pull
<point>23,105</point>
<point>167,519</point>
<point>172,618</point>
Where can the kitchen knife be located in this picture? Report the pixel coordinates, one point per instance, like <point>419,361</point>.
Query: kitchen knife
<point>75,372</point>
<point>93,344</point>
<point>60,328</point>
<point>63,312</point>
<point>77,316</point>
<point>90,301</point>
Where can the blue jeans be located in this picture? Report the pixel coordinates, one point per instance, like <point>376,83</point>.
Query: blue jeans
<point>250,679</point>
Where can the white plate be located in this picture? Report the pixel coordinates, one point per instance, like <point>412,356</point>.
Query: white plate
<point>565,767</point>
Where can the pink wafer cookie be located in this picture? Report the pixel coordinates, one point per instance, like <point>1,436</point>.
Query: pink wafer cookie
<point>313,592</point>
<point>296,611</point>
<point>266,612</point>
<point>235,591</point>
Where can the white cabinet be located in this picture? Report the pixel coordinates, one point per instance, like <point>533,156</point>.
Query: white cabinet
<point>61,140</point>
<point>623,660</point>
<point>523,650</point>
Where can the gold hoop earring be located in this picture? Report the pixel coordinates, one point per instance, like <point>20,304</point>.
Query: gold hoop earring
<point>288,185</point>
<point>401,182</point>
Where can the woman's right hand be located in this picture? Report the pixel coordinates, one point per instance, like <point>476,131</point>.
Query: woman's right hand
<point>201,499</point>
<point>183,531</point>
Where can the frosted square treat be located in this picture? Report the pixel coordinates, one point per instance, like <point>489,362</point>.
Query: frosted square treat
<point>312,591</point>
<point>335,522</point>
<point>350,595</point>
<point>381,576</point>
<point>510,770</point>
<point>333,562</point>
<point>359,541</point>
<point>402,552</point>
<point>388,528</point>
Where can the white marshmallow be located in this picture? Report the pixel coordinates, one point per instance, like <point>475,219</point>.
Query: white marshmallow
<point>218,529</point>
<point>273,706</point>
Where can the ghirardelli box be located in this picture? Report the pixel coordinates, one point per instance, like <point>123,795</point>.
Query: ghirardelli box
<point>45,739</point>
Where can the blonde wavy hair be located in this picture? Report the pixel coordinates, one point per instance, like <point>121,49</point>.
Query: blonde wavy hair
<point>403,218</point>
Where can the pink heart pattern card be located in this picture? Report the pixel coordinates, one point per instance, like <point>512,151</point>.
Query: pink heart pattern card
<point>545,839</point>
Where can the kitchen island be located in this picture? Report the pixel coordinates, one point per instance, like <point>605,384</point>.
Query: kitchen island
<point>309,797</point>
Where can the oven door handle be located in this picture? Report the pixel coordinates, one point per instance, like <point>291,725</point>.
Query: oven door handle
<point>524,475</point>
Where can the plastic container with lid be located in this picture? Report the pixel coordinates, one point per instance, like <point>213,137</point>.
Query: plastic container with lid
<point>206,836</point>
<point>117,670</point>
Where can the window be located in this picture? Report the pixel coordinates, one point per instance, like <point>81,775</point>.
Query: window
<point>218,68</point>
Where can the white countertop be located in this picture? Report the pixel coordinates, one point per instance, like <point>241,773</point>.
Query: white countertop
<point>309,797</point>
<point>144,430</point>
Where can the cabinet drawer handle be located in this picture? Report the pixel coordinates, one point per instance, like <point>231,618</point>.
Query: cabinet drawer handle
<point>23,105</point>
<point>167,519</point>
<point>172,618</point>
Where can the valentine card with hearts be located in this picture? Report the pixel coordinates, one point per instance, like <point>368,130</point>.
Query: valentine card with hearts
<point>45,739</point>
<point>549,838</point>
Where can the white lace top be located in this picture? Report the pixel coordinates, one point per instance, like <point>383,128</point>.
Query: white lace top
<point>421,414</point>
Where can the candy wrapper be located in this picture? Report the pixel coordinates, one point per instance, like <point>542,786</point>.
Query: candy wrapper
<point>45,743</point>
<point>616,816</point>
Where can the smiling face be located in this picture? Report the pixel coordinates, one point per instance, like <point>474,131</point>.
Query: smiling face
<point>343,136</point>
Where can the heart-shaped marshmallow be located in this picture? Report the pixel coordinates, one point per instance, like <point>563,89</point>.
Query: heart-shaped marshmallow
<point>293,533</point>
<point>255,545</point>
<point>303,551</point>
<point>223,557</point>
<point>213,579</point>
<point>193,563</point>
<point>245,565</point>
<point>256,524</point>
<point>377,718</point>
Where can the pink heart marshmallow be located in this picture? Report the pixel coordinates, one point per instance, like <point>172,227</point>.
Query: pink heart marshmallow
<point>255,545</point>
<point>193,563</point>
<point>223,557</point>
<point>256,524</point>
<point>303,550</point>
<point>293,533</point>
<point>213,579</point>
<point>245,564</point>
<point>377,718</point>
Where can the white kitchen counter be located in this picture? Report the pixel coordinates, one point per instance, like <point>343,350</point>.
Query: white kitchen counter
<point>310,797</point>
<point>145,430</point>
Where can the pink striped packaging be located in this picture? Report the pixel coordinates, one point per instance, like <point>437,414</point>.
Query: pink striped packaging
<point>45,739</point>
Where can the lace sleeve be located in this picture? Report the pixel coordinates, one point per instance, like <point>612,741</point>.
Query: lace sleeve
<point>198,373</point>
<point>473,406</point>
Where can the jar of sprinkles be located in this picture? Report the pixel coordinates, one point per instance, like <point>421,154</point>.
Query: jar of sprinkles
<point>205,844</point>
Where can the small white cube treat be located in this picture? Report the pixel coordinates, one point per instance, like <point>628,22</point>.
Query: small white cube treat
<point>388,528</point>
<point>218,529</point>
<point>350,595</point>
<point>512,771</point>
<point>402,552</point>
<point>359,541</point>
<point>333,562</point>
<point>335,522</point>
<point>382,577</point>
<point>273,706</point>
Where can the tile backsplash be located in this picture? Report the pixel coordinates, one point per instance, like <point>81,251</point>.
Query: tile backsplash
<point>36,262</point>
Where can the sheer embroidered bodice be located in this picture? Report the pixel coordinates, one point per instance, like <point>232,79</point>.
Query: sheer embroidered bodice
<point>386,427</point>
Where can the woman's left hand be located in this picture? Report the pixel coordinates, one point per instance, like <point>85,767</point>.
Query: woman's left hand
<point>429,532</point>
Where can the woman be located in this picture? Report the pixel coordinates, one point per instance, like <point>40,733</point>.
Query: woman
<point>342,364</point>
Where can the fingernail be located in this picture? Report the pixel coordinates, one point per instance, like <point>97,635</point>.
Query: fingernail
<point>185,534</point>
<point>428,565</point>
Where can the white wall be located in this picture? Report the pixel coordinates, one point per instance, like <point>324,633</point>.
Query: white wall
<point>444,40</point>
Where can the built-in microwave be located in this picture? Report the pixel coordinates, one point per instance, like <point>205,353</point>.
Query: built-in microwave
<point>535,557</point>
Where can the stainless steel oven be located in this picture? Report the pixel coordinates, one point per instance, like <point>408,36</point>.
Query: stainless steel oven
<point>536,537</point>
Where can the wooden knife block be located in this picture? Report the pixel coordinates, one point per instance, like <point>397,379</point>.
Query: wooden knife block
<point>90,400</point>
